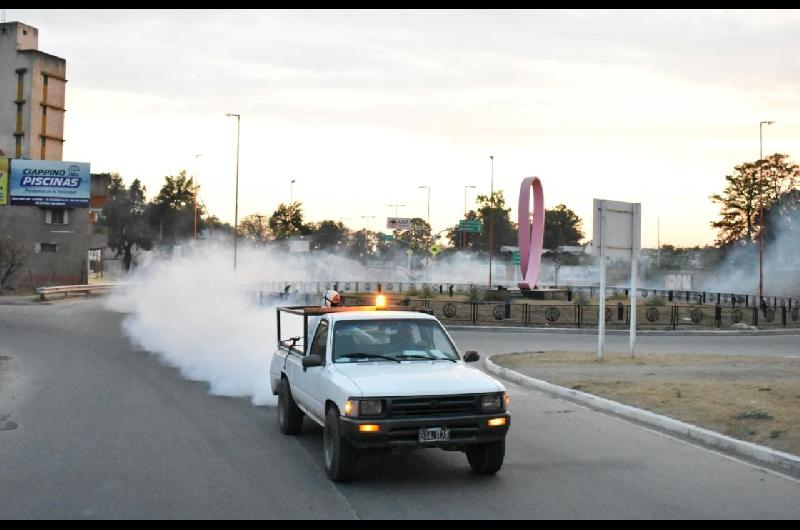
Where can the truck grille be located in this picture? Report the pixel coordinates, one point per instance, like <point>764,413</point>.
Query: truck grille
<point>433,407</point>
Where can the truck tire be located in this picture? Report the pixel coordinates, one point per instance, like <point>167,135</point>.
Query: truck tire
<point>340,458</point>
<point>487,459</point>
<point>290,417</point>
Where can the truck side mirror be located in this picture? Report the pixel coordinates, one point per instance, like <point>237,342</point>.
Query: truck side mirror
<point>311,361</point>
<point>471,356</point>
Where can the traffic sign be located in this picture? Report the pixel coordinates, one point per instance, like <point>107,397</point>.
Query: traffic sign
<point>515,257</point>
<point>398,223</point>
<point>409,252</point>
<point>470,225</point>
<point>386,237</point>
<point>434,249</point>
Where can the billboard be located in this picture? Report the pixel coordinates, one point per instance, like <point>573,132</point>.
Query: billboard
<point>3,181</point>
<point>398,223</point>
<point>50,183</point>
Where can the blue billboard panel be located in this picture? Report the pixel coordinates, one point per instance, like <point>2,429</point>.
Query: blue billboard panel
<point>49,183</point>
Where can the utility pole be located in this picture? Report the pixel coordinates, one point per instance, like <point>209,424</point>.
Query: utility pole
<point>659,240</point>
<point>236,211</point>
<point>761,209</point>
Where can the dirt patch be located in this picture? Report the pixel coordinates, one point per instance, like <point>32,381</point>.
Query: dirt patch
<point>750,398</point>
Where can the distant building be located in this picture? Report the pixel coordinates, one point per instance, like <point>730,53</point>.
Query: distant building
<point>57,232</point>
<point>32,85</point>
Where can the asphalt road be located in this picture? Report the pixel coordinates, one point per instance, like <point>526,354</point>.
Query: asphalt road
<point>92,428</point>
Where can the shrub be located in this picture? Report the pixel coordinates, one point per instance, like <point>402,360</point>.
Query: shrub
<point>580,299</point>
<point>497,296</point>
<point>427,291</point>
<point>475,294</point>
<point>656,300</point>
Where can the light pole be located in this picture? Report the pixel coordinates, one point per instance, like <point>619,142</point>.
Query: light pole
<point>196,188</point>
<point>365,244</point>
<point>260,229</point>
<point>761,209</point>
<point>463,234</point>
<point>236,210</point>
<point>396,208</point>
<point>491,223</point>
<point>291,192</point>
<point>427,239</point>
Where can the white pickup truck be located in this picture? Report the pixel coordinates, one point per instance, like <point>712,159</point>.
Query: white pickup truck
<point>378,379</point>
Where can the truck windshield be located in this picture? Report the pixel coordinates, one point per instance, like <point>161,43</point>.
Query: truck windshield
<point>391,340</point>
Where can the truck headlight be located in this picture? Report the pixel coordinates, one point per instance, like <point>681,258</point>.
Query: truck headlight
<point>492,403</point>
<point>371,407</point>
<point>359,408</point>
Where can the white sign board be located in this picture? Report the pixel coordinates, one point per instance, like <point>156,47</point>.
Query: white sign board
<point>678,282</point>
<point>398,223</point>
<point>619,231</point>
<point>617,234</point>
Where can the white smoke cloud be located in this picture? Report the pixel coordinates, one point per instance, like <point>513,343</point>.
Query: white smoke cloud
<point>193,313</point>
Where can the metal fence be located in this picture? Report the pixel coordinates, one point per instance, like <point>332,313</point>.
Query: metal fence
<point>566,293</point>
<point>561,315</point>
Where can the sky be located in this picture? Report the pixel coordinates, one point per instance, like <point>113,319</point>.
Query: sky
<point>361,108</point>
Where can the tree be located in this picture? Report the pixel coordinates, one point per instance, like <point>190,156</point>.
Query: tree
<point>417,237</point>
<point>459,239</point>
<point>329,235</point>
<point>782,229</point>
<point>751,187</point>
<point>287,221</point>
<point>213,224</point>
<point>253,228</point>
<point>124,215</point>
<point>363,244</point>
<point>171,213</point>
<point>13,256</point>
<point>562,227</point>
<point>491,211</point>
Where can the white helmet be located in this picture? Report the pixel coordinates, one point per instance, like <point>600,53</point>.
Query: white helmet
<point>331,299</point>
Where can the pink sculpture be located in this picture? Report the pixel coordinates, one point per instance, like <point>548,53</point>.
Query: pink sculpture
<point>530,236</point>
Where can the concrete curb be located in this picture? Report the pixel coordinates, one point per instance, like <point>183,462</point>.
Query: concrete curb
<point>787,463</point>
<point>644,332</point>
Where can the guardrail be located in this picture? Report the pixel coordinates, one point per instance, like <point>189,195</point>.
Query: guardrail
<point>43,292</point>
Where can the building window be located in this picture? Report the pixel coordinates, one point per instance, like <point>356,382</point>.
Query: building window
<point>48,247</point>
<point>56,217</point>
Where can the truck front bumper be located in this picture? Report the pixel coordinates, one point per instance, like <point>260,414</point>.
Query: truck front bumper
<point>464,431</point>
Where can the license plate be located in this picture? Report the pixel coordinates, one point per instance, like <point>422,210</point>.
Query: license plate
<point>436,434</point>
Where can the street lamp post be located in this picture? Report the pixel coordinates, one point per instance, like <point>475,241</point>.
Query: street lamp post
<point>365,244</point>
<point>463,234</point>
<point>427,240</point>
<point>260,229</point>
<point>396,208</point>
<point>291,192</point>
<point>491,223</point>
<point>761,210</point>
<point>196,188</point>
<point>236,209</point>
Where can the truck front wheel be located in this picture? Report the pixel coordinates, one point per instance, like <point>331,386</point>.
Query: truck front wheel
<point>340,458</point>
<point>290,417</point>
<point>487,459</point>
